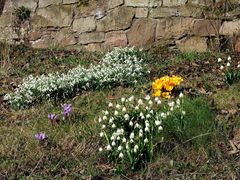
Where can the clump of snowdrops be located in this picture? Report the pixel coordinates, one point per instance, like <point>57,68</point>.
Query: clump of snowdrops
<point>118,67</point>
<point>131,127</point>
<point>231,74</point>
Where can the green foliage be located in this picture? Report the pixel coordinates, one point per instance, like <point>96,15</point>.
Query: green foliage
<point>22,13</point>
<point>231,77</point>
<point>196,127</point>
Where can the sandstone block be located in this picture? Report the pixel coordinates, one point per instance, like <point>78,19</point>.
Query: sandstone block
<point>70,1</point>
<point>190,11</point>
<point>93,37</point>
<point>174,2</point>
<point>93,47</point>
<point>198,44</point>
<point>34,35</point>
<point>84,24</point>
<point>173,27</point>
<point>229,28</point>
<point>53,16</point>
<point>118,19</point>
<point>45,3</point>
<point>142,32</point>
<point>65,37</point>
<point>163,12</point>
<point>237,45</point>
<point>44,42</point>
<point>114,3</point>
<point>116,39</point>
<point>141,12</point>
<point>203,27</point>
<point>5,20</point>
<point>136,3</point>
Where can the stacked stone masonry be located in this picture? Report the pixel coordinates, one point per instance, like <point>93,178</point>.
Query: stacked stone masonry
<point>188,25</point>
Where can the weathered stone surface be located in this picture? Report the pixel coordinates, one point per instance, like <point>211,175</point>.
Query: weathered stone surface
<point>155,3</point>
<point>5,20</point>
<point>91,9</point>
<point>44,42</point>
<point>59,16</point>
<point>34,35</point>
<point>136,3</point>
<point>117,19</point>
<point>173,27</point>
<point>8,7</point>
<point>114,3</point>
<point>198,44</point>
<point>84,24</point>
<point>93,37</point>
<point>229,28</point>
<point>142,32</point>
<point>65,37</point>
<point>174,2</point>
<point>8,34</point>
<point>93,47</point>
<point>237,45</point>
<point>203,27</point>
<point>70,1</point>
<point>115,39</point>
<point>201,2</point>
<point>30,4</point>
<point>45,3</point>
<point>141,12</point>
<point>163,12</point>
<point>190,11</point>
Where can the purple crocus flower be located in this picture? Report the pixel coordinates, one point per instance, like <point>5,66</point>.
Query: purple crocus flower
<point>52,116</point>
<point>67,110</point>
<point>41,136</point>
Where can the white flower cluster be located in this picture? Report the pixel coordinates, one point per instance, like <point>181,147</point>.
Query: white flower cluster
<point>122,65</point>
<point>227,64</point>
<point>130,126</point>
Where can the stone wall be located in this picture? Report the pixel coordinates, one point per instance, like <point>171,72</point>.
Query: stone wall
<point>188,25</point>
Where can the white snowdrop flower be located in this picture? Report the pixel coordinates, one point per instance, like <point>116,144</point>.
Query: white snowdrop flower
<point>151,111</point>
<point>115,113</point>
<point>136,108</point>
<point>140,134</point>
<point>147,97</point>
<point>238,66</point>
<point>168,113</point>
<point>160,128</point>
<point>126,117</point>
<point>181,95</point>
<point>159,102</point>
<point>122,131</point>
<point>137,125</point>
<point>124,109</point>
<point>228,64</point>
<point>148,116</point>
<point>141,114</point>
<point>221,67</point>
<point>118,138</point>
<point>171,104</point>
<point>120,148</point>
<point>183,112</point>
<point>229,58</point>
<point>178,101</point>
<point>111,120</point>
<point>110,104</point>
<point>171,109</point>
<point>150,102</point>
<point>131,123</point>
<point>113,143</point>
<point>131,135</point>
<point>99,120</point>
<point>123,99</point>
<point>140,102</point>
<point>157,123</point>
<point>112,138</point>
<point>219,60</point>
<point>103,126</point>
<point>109,147</point>
<point>104,117</point>
<point>131,141</point>
<point>146,129</point>
<point>131,98</point>
<point>118,106</point>
<point>106,112</point>
<point>156,99</point>
<point>147,108</point>
<point>121,155</point>
<point>100,149</point>
<point>145,140</point>
<point>113,126</point>
<point>127,146</point>
<point>124,140</point>
<point>101,134</point>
